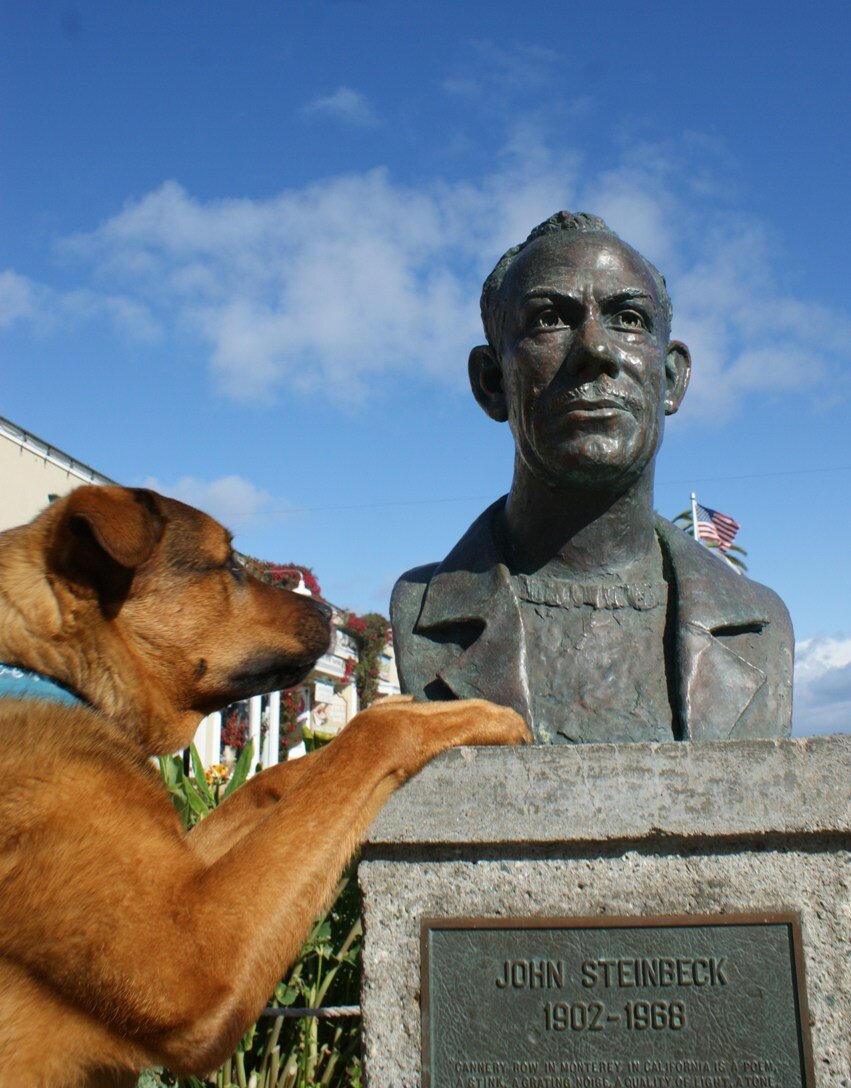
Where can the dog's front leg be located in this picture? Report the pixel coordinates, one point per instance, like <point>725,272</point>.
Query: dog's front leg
<point>292,860</point>
<point>239,814</point>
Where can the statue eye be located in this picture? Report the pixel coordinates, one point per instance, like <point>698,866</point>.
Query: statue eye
<point>547,319</point>
<point>631,319</point>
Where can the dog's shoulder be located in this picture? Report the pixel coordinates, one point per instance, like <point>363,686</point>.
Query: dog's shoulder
<point>70,760</point>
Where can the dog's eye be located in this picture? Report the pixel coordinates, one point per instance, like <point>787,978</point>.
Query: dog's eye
<point>234,566</point>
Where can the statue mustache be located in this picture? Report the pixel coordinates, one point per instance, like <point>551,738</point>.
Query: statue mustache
<point>593,394</point>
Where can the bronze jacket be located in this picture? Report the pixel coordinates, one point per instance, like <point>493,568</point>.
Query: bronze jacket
<point>457,633</point>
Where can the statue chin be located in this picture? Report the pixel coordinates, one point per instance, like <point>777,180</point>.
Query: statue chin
<point>588,454</point>
<point>593,465</point>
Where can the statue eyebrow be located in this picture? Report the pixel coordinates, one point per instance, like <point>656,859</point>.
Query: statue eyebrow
<point>550,293</point>
<point>629,294</point>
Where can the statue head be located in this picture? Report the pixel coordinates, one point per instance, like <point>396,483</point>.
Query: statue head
<point>578,359</point>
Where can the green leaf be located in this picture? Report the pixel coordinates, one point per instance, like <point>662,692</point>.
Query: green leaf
<point>201,777</point>
<point>194,799</point>
<point>170,770</point>
<point>324,932</point>
<point>240,771</point>
<point>285,994</point>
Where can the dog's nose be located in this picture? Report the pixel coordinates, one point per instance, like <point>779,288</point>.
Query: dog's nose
<point>324,609</point>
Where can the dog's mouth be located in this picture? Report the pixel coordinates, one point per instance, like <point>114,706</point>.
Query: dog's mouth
<point>279,668</point>
<point>271,673</point>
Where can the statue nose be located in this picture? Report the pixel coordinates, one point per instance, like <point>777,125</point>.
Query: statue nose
<point>592,350</point>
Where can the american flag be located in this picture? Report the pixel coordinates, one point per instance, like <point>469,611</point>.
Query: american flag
<point>716,527</point>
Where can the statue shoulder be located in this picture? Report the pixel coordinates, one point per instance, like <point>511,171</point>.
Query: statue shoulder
<point>412,652</point>
<point>475,551</point>
<point>774,607</point>
<point>705,575</point>
<point>407,598</point>
<point>743,618</point>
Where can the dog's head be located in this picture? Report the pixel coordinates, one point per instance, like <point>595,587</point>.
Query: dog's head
<point>158,616</point>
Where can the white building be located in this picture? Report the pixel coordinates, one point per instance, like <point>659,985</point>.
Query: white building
<point>33,473</point>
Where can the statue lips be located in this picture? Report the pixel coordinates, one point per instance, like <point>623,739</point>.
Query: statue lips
<point>593,409</point>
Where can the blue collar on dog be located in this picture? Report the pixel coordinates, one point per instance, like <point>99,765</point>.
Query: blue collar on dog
<point>16,682</point>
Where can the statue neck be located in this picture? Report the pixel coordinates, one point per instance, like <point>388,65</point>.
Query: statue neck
<point>576,533</point>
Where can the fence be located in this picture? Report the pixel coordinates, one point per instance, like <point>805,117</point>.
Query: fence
<point>208,738</point>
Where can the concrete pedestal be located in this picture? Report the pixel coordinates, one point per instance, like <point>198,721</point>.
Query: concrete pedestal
<point>727,827</point>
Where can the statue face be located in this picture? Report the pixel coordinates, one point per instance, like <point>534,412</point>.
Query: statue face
<point>583,360</point>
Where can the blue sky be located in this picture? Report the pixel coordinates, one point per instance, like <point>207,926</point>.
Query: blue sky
<point>242,247</point>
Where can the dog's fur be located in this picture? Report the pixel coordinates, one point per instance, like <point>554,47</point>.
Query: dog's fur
<point>124,942</point>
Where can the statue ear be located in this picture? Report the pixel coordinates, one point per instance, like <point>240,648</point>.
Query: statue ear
<point>486,382</point>
<point>677,374</point>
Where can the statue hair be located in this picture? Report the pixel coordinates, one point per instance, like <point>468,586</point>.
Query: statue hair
<point>493,308</point>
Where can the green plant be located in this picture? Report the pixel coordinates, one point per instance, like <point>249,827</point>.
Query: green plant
<point>292,706</point>
<point>284,1052</point>
<point>371,632</point>
<point>194,797</point>
<point>280,1052</point>
<point>286,575</point>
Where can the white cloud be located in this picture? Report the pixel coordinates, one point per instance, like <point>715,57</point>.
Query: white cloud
<point>822,702</point>
<point>126,314</point>
<point>498,74</point>
<point>323,287</point>
<point>233,500</point>
<point>346,284</point>
<point>745,333</point>
<point>346,105</point>
<point>20,299</point>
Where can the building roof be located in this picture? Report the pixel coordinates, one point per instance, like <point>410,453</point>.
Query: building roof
<point>33,444</point>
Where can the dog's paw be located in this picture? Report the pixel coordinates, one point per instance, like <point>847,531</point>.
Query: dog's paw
<point>392,700</point>
<point>470,722</point>
<point>489,723</point>
<point>409,733</point>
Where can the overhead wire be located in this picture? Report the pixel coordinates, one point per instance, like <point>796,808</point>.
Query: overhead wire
<point>485,498</point>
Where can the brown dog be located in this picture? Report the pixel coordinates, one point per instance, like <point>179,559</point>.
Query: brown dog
<point>125,943</point>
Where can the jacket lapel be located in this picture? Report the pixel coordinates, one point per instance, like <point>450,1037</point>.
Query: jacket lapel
<point>714,684</point>
<point>494,661</point>
<point>472,587</point>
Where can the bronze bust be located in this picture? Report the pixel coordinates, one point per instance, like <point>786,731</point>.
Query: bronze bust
<point>569,599</point>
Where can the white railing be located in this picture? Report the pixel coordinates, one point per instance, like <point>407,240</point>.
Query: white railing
<point>269,754</point>
<point>208,737</point>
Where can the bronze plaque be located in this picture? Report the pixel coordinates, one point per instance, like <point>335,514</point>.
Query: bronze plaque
<point>680,1002</point>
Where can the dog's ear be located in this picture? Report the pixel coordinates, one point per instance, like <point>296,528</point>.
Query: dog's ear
<point>105,533</point>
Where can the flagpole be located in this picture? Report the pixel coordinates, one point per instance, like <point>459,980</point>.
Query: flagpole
<point>694,516</point>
